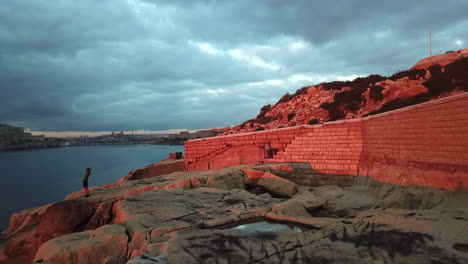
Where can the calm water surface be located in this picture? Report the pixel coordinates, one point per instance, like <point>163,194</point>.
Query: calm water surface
<point>266,227</point>
<point>37,177</point>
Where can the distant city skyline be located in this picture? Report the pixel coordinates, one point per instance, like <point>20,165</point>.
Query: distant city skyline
<point>156,65</point>
<point>102,133</point>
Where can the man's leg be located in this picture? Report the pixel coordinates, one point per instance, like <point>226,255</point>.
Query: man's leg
<point>85,187</point>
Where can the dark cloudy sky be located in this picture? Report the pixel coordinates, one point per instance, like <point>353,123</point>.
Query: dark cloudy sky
<point>141,64</point>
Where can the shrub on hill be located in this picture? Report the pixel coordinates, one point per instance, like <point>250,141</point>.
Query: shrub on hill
<point>454,76</point>
<point>457,73</point>
<point>265,119</point>
<point>313,121</point>
<point>250,122</point>
<point>285,98</point>
<point>349,100</point>
<point>335,110</point>
<point>301,91</point>
<point>263,111</point>
<point>449,78</point>
<point>400,103</point>
<point>439,82</point>
<point>412,74</point>
<point>375,92</point>
<point>291,116</point>
<point>358,83</point>
<point>259,129</point>
<point>288,97</point>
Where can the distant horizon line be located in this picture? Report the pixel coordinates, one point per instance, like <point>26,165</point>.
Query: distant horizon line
<point>102,133</point>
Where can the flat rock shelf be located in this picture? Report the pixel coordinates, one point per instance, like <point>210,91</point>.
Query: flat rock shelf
<point>225,216</point>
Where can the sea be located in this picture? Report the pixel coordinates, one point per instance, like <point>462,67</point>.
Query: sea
<point>31,178</point>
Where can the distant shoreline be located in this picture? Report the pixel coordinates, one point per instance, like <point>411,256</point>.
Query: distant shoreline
<point>23,148</point>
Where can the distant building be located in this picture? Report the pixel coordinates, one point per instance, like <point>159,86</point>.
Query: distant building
<point>186,135</point>
<point>183,135</point>
<point>204,133</point>
<point>117,134</point>
<point>10,135</point>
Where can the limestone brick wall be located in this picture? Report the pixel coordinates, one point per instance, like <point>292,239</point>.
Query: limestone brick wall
<point>425,144</point>
<point>246,148</point>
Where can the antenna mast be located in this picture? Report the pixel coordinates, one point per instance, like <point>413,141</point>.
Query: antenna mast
<point>430,42</point>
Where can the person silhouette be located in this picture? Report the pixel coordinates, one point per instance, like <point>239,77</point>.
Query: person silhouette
<point>85,181</point>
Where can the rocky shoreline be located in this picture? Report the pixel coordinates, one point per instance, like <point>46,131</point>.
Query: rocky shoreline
<point>191,217</point>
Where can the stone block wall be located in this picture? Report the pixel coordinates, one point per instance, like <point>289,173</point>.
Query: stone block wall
<point>240,149</point>
<point>425,144</point>
<point>304,174</point>
<point>333,149</point>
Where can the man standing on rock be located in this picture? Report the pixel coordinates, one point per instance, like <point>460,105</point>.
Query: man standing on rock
<point>85,181</point>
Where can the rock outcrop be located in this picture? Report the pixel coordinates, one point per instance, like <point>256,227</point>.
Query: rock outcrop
<point>442,59</point>
<point>431,78</point>
<point>166,166</point>
<point>277,185</point>
<point>29,229</point>
<point>200,217</point>
<point>107,244</point>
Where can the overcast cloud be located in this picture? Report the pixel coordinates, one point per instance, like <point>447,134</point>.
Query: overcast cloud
<point>156,65</point>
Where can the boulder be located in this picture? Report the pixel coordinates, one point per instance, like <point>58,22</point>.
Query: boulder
<point>156,169</point>
<point>252,176</point>
<point>289,208</point>
<point>328,191</point>
<point>107,244</point>
<point>441,59</point>
<point>309,200</point>
<point>277,185</point>
<point>227,181</point>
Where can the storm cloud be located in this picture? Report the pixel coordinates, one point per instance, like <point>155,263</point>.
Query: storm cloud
<point>156,65</point>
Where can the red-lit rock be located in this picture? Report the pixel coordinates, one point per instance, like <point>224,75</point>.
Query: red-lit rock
<point>252,176</point>
<point>401,88</point>
<point>308,107</point>
<point>421,144</point>
<point>168,222</point>
<point>277,185</point>
<point>442,59</point>
<point>159,168</point>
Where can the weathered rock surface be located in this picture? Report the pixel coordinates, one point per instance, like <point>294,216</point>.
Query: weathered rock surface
<point>308,200</point>
<point>156,169</point>
<point>442,59</point>
<point>357,241</point>
<point>252,176</point>
<point>31,228</point>
<point>277,185</point>
<point>189,218</point>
